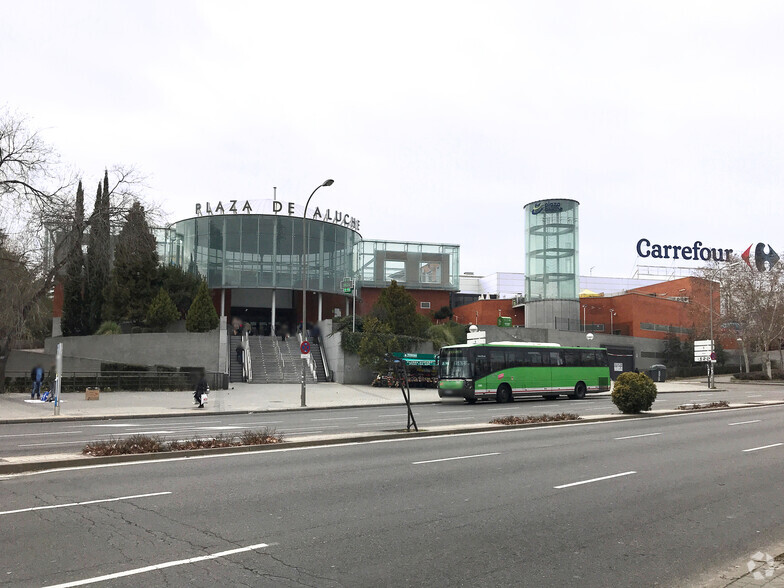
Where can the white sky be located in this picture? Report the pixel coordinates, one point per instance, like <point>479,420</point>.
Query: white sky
<point>437,120</point>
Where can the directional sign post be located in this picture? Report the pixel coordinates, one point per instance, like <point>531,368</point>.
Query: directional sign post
<point>704,350</point>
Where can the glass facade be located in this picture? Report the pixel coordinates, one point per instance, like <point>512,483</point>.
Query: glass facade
<point>413,265</point>
<point>261,251</point>
<point>551,250</point>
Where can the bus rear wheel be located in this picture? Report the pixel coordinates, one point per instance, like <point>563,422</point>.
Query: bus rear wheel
<point>579,391</point>
<point>504,393</point>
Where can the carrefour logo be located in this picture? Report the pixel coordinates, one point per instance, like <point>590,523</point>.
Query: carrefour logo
<point>540,207</point>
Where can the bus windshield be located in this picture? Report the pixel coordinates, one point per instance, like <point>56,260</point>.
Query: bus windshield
<point>454,363</point>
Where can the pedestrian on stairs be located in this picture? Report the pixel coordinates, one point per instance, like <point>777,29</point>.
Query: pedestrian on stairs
<point>240,352</point>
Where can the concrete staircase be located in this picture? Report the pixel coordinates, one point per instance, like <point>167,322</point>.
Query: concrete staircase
<point>235,368</point>
<point>278,362</point>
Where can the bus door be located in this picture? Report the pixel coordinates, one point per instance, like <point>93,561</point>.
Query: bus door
<point>557,375</point>
<point>481,370</point>
<point>536,369</point>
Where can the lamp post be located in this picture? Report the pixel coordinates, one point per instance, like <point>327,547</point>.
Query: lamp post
<point>740,355</point>
<point>305,287</point>
<point>612,314</point>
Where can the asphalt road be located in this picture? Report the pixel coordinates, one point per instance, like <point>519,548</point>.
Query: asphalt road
<point>656,501</point>
<point>72,436</point>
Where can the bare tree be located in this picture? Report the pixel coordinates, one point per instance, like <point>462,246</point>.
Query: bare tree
<point>40,192</point>
<point>752,306</point>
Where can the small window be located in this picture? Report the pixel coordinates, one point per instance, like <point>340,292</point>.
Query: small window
<point>571,357</point>
<point>394,270</point>
<point>424,305</point>
<point>429,273</point>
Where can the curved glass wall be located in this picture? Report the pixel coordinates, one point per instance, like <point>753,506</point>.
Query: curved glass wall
<point>262,251</point>
<point>551,250</point>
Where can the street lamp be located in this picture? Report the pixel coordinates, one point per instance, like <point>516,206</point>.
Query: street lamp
<point>305,285</point>
<point>612,314</point>
<point>740,355</point>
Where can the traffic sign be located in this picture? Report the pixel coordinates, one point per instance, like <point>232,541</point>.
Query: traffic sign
<point>304,348</point>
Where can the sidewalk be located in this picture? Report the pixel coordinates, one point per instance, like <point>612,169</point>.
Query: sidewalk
<point>238,398</point>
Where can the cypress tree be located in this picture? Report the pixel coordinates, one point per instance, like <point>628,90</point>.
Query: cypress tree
<point>202,316</point>
<point>132,285</point>
<point>98,260</point>
<point>74,319</point>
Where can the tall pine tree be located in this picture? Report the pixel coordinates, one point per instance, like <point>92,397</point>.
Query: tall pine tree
<point>74,319</point>
<point>98,257</point>
<point>132,285</point>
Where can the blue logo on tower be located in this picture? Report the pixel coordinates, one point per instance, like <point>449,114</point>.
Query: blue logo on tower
<point>546,207</point>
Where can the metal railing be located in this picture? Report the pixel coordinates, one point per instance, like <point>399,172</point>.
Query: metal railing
<point>118,381</point>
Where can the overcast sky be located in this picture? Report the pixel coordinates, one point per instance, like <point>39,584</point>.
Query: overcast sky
<point>438,121</point>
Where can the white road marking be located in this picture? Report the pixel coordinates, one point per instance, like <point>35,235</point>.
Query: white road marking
<point>454,458</point>
<point>594,480</point>
<point>303,433</point>
<point>636,436</point>
<point>763,447</point>
<point>161,566</point>
<point>452,411</point>
<point>57,443</point>
<point>222,428</point>
<point>49,507</point>
<point>114,425</point>
<point>41,434</point>
<point>336,419</point>
<point>753,395</point>
<point>743,423</point>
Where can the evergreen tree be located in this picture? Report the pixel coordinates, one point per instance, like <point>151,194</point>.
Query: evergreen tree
<point>74,320</point>
<point>162,311</point>
<point>397,308</point>
<point>202,316</point>
<point>98,260</point>
<point>180,285</point>
<point>132,285</point>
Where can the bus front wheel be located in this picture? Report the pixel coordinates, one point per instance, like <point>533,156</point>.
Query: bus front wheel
<point>579,391</point>
<point>504,393</point>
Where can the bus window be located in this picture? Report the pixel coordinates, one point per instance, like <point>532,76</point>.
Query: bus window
<point>533,359</point>
<point>515,358</point>
<point>497,360</point>
<point>556,358</point>
<point>571,357</point>
<point>588,358</point>
<point>601,357</point>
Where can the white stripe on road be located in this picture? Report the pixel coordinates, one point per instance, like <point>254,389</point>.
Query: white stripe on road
<point>594,480</point>
<point>49,507</point>
<point>337,419</point>
<point>636,436</point>
<point>41,434</point>
<point>753,395</point>
<point>743,423</point>
<point>454,458</point>
<point>76,442</point>
<point>452,411</point>
<point>763,447</point>
<point>161,566</point>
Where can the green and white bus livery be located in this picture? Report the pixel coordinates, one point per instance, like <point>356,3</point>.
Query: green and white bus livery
<point>503,371</point>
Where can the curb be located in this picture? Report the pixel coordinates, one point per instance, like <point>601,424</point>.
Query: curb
<point>54,419</point>
<point>44,465</point>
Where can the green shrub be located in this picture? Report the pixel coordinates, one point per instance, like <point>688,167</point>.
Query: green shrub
<point>633,393</point>
<point>108,328</point>
<point>752,376</point>
<point>202,316</point>
<point>162,311</point>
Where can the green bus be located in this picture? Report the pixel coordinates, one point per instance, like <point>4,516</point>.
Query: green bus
<point>503,371</point>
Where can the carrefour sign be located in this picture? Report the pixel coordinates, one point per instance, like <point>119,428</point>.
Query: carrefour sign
<point>693,251</point>
<point>763,260</point>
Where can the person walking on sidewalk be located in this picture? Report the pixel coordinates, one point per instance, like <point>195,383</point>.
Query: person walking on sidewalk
<point>201,391</point>
<point>37,374</point>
